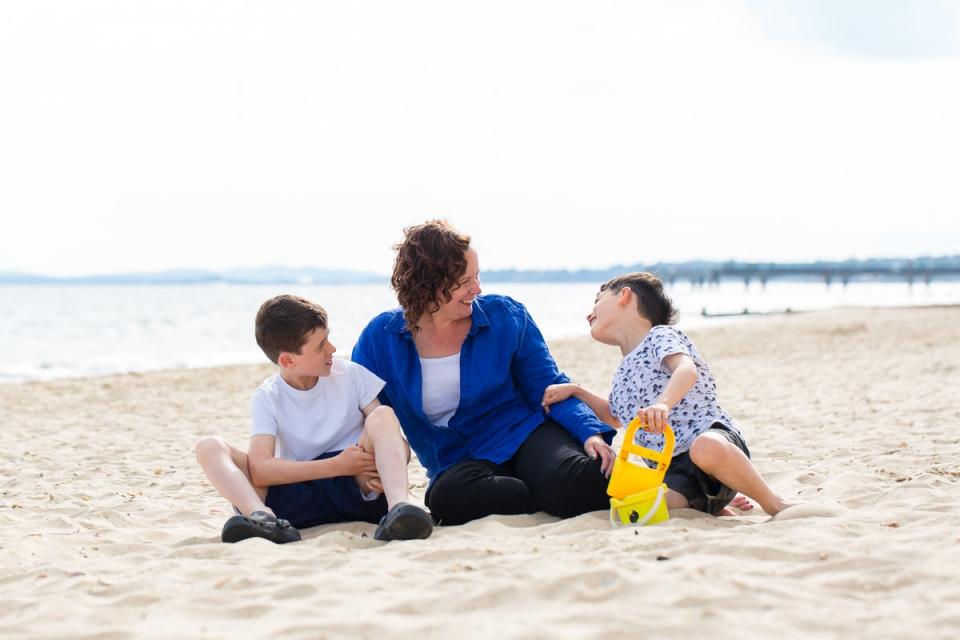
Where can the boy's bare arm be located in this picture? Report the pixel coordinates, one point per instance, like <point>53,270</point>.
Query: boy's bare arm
<point>267,470</point>
<point>598,404</point>
<point>682,379</point>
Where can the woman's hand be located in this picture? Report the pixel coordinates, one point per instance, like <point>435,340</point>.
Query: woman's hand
<point>655,417</point>
<point>557,393</point>
<point>595,446</point>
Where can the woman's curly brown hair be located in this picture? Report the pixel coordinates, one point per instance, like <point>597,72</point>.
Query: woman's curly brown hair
<point>430,260</point>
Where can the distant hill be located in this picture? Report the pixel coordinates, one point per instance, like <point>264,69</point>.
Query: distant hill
<point>924,267</point>
<point>252,275</point>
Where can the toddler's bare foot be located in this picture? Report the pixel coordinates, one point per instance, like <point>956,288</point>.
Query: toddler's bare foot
<point>740,503</point>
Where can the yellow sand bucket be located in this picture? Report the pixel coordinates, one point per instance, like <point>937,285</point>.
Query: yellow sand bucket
<point>637,492</point>
<point>646,507</point>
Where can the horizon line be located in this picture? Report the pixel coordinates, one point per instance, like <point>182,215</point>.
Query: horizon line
<point>254,274</point>
<point>357,272</point>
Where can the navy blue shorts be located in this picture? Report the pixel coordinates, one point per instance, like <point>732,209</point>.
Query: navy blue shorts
<point>324,501</point>
<point>702,490</point>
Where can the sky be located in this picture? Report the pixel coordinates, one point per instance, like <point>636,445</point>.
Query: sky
<point>140,136</point>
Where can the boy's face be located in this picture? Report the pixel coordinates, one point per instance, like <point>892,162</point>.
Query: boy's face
<point>603,318</point>
<point>315,357</point>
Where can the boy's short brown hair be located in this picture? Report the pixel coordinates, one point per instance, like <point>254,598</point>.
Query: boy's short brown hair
<point>283,323</point>
<point>652,302</point>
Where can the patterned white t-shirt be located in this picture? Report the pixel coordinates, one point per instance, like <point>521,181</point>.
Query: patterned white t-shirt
<point>642,377</point>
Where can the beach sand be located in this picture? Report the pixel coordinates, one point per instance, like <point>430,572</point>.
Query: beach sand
<point>109,530</point>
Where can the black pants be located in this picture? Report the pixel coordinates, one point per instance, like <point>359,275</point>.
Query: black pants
<point>550,472</point>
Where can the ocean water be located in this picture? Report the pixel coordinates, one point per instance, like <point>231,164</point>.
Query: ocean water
<point>50,331</point>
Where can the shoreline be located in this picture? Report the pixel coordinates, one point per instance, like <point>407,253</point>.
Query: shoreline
<point>714,321</point>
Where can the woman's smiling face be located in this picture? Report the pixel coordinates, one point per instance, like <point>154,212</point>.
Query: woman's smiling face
<point>460,305</point>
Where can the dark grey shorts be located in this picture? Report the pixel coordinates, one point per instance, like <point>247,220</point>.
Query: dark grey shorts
<point>703,491</point>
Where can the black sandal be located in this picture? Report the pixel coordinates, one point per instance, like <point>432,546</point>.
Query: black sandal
<point>259,524</point>
<point>404,522</point>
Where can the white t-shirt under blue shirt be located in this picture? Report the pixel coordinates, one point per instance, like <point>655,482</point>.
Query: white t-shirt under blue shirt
<point>441,388</point>
<point>326,418</point>
<point>642,377</point>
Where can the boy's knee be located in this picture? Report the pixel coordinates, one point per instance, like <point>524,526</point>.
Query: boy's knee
<point>382,419</point>
<point>707,451</point>
<point>383,412</point>
<point>208,446</point>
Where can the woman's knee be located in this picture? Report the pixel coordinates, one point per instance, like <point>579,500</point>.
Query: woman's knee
<point>447,498</point>
<point>476,488</point>
<point>452,485</point>
<point>575,488</point>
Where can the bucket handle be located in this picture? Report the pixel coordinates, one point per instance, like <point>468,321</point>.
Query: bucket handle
<point>662,458</point>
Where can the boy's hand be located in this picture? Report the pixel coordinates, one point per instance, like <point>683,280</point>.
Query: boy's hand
<point>655,416</point>
<point>595,446</point>
<point>557,393</point>
<point>354,461</point>
<point>369,482</point>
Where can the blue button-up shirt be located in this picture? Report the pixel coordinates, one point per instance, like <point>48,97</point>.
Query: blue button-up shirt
<point>504,368</point>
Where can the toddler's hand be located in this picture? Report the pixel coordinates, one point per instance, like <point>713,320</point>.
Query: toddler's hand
<point>354,461</point>
<point>557,393</point>
<point>655,416</point>
<point>595,446</point>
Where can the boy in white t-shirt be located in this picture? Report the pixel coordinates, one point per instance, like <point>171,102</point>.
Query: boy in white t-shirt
<point>322,447</point>
<point>663,378</point>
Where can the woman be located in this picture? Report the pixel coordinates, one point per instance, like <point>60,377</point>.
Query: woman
<point>465,374</point>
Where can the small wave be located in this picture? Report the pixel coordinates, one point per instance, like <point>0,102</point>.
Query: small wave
<point>41,371</point>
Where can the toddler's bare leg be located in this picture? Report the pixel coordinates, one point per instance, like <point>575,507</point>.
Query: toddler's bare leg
<point>382,436</point>
<point>676,500</point>
<point>228,471</point>
<point>728,464</point>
